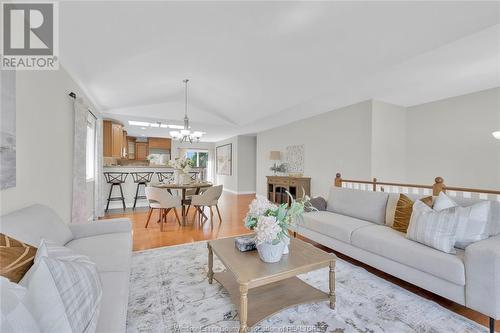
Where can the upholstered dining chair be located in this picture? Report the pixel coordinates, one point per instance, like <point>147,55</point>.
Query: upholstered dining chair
<point>209,198</point>
<point>164,201</point>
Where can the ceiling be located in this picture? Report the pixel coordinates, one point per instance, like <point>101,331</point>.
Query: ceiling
<point>256,65</point>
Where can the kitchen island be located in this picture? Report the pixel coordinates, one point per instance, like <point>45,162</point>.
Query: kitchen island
<point>129,187</point>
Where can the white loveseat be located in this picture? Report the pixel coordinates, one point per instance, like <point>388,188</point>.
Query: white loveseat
<point>355,224</point>
<point>108,243</point>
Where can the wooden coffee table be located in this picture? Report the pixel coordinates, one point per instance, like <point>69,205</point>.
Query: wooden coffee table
<point>263,289</point>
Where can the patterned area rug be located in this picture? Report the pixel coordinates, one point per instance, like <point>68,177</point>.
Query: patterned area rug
<point>169,292</point>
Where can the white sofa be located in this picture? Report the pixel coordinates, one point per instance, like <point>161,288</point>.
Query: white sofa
<point>108,243</point>
<point>356,224</point>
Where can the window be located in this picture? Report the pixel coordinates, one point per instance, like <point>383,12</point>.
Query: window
<point>199,158</point>
<point>90,153</point>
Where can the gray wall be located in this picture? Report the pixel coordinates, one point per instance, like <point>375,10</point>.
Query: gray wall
<point>44,142</point>
<point>242,179</point>
<point>452,138</point>
<point>335,141</point>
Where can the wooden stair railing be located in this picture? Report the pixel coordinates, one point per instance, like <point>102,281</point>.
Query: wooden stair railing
<point>436,188</point>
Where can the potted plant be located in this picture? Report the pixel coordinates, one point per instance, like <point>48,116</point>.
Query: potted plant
<point>271,223</point>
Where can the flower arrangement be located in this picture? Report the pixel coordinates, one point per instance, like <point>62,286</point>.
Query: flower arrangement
<point>181,164</point>
<point>270,221</point>
<point>278,168</point>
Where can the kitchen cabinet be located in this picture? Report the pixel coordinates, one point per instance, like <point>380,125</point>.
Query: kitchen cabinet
<point>141,150</point>
<point>160,143</point>
<point>114,139</point>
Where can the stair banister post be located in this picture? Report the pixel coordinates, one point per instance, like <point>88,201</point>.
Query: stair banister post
<point>338,180</point>
<point>438,186</point>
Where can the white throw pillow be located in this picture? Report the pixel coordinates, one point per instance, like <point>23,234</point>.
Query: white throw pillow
<point>15,316</point>
<point>443,202</point>
<point>432,228</point>
<point>64,290</point>
<point>473,222</point>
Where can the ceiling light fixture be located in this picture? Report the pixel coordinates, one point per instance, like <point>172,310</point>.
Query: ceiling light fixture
<point>496,135</point>
<point>185,134</point>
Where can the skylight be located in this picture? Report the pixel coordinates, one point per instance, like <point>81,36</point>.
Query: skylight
<point>153,125</point>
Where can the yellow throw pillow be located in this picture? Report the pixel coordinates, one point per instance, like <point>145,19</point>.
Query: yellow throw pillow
<point>16,258</point>
<point>404,208</point>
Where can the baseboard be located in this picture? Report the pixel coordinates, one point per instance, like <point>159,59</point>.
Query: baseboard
<point>241,192</point>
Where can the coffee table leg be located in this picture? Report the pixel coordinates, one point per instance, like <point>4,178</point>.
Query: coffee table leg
<point>243,307</point>
<point>332,285</point>
<point>210,274</point>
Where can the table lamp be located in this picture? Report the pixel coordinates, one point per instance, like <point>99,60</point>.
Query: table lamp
<point>275,156</point>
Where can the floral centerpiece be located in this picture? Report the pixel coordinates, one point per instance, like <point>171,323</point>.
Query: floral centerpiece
<point>182,166</point>
<point>271,223</point>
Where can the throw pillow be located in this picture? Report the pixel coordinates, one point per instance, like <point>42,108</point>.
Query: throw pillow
<point>404,208</point>
<point>432,228</point>
<point>444,202</point>
<point>64,290</point>
<point>319,203</point>
<point>16,258</point>
<point>473,222</point>
<point>15,316</point>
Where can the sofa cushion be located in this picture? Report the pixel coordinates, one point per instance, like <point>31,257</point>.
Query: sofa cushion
<point>34,223</point>
<point>114,302</point>
<point>393,245</point>
<point>110,252</point>
<point>333,225</point>
<point>364,205</point>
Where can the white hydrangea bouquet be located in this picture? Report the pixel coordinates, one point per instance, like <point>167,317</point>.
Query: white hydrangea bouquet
<point>182,166</point>
<point>271,223</point>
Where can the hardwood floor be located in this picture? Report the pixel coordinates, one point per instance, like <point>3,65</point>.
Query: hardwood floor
<point>233,208</point>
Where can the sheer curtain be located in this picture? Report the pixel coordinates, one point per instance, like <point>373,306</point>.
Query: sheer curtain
<point>98,176</point>
<point>79,204</point>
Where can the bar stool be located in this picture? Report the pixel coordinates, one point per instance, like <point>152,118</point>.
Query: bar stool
<point>162,176</point>
<point>141,178</point>
<point>115,179</point>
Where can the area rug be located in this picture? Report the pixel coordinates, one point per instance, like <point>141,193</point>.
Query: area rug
<point>169,292</point>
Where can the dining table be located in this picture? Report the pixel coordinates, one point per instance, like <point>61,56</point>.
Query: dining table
<point>197,186</point>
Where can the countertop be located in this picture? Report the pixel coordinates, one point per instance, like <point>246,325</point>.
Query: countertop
<point>138,166</point>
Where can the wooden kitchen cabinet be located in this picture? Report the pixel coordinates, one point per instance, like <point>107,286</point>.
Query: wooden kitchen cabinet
<point>160,143</point>
<point>114,139</point>
<point>106,138</point>
<point>141,150</point>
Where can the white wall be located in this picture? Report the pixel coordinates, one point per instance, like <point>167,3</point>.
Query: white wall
<point>247,148</point>
<point>452,138</point>
<point>44,137</point>
<point>336,141</point>
<point>242,179</point>
<point>388,142</point>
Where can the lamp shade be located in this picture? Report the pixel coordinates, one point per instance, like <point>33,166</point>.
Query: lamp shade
<point>496,135</point>
<point>275,155</point>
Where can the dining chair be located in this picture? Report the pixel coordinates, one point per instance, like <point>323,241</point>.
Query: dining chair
<point>209,198</point>
<point>164,201</point>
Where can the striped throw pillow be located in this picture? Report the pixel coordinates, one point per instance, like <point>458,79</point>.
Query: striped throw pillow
<point>16,258</point>
<point>433,228</point>
<point>64,290</point>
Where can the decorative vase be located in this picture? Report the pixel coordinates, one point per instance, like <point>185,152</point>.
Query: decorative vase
<point>286,241</point>
<point>270,253</point>
<point>179,177</point>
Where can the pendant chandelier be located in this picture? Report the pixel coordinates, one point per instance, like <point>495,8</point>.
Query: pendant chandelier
<point>185,134</point>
